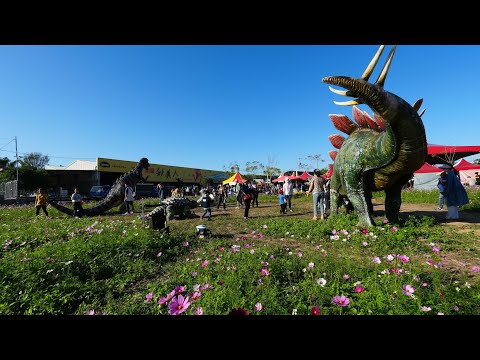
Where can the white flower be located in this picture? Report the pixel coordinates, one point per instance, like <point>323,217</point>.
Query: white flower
<point>294,312</point>
<point>311,265</point>
<point>49,271</point>
<point>458,289</point>
<point>290,253</point>
<point>467,285</point>
<point>68,262</point>
<point>390,257</point>
<point>321,282</point>
<point>304,270</point>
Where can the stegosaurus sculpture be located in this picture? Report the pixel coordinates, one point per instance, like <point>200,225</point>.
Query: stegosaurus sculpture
<point>380,153</point>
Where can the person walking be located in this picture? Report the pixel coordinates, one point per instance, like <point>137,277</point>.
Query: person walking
<point>129,199</point>
<point>317,188</point>
<point>288,191</point>
<point>442,182</point>
<point>41,202</point>
<point>455,195</point>
<point>221,197</point>
<point>161,192</point>
<point>206,202</point>
<point>77,203</point>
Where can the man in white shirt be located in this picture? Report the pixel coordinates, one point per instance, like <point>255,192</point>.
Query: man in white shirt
<point>288,191</point>
<point>129,199</point>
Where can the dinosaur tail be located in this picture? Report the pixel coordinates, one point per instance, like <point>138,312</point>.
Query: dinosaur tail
<point>61,208</point>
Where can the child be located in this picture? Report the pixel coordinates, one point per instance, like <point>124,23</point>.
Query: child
<point>41,202</point>
<point>129,199</point>
<point>77,203</point>
<point>283,203</point>
<point>206,202</point>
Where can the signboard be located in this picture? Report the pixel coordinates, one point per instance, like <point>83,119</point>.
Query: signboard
<point>161,173</point>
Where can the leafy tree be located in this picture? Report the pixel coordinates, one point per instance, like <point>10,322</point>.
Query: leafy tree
<point>29,179</point>
<point>271,170</point>
<point>476,161</point>
<point>231,168</point>
<point>4,162</point>
<point>35,160</point>
<point>254,168</point>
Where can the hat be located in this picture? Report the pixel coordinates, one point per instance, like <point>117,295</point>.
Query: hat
<point>287,180</point>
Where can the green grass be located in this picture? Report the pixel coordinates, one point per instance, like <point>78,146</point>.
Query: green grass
<point>108,264</point>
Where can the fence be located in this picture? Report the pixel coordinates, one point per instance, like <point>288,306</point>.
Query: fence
<point>9,190</point>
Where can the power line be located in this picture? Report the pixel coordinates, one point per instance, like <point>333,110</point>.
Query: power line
<point>54,157</point>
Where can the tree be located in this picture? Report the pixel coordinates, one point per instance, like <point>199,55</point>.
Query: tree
<point>29,179</point>
<point>254,168</point>
<point>4,162</point>
<point>231,168</point>
<point>476,161</point>
<point>315,158</point>
<point>35,160</point>
<point>270,170</point>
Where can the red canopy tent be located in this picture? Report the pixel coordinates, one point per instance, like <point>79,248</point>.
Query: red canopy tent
<point>465,165</point>
<point>448,154</point>
<point>427,168</point>
<point>304,177</point>
<point>282,178</point>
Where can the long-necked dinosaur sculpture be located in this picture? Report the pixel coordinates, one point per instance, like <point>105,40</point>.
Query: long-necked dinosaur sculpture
<point>116,194</point>
<point>379,154</point>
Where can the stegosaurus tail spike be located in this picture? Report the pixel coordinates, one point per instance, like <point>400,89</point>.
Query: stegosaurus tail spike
<point>343,123</point>
<point>423,112</point>
<point>380,122</point>
<point>333,154</point>
<point>336,140</point>
<point>417,104</point>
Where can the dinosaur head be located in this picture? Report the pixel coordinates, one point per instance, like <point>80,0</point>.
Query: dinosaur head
<point>363,91</point>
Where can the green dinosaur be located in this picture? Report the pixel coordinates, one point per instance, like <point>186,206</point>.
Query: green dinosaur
<point>379,154</point>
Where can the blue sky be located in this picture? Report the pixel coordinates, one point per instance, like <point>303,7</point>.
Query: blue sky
<point>206,106</point>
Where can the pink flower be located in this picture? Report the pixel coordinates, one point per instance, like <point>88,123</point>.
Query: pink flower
<point>425,308</point>
<point>246,246</point>
<point>179,289</point>
<point>456,308</point>
<point>204,263</point>
<point>408,289</point>
<point>440,313</point>
<point>315,311</point>
<point>341,300</point>
<point>334,232</point>
<point>364,231</point>
<point>259,236</point>
<point>196,295</point>
<point>258,306</point>
<point>475,269</point>
<point>272,257</point>
<point>394,229</point>
<point>423,284</point>
<point>311,265</point>
<point>431,263</point>
<point>165,299</point>
<point>385,221</point>
<point>346,276</point>
<point>185,243</point>
<point>404,258</point>
<point>159,254</point>
<point>376,260</point>
<point>264,263</point>
<point>435,250</point>
<point>244,238</point>
<point>359,289</point>
<point>299,254</point>
<point>148,297</point>
<point>364,243</point>
<point>194,273</point>
<point>198,311</point>
<point>252,251</point>
<point>264,272</point>
<point>178,305</point>
<point>221,248</point>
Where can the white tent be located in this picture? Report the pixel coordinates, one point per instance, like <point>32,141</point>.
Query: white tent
<point>426,178</point>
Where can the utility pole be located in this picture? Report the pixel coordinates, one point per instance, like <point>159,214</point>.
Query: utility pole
<point>16,162</point>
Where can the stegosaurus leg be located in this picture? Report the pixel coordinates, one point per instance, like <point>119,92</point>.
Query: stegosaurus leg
<point>361,204</point>
<point>393,201</point>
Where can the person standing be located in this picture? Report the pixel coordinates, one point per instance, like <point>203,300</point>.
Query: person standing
<point>317,188</point>
<point>455,195</point>
<point>161,192</point>
<point>247,197</point>
<point>283,204</point>
<point>206,202</point>
<point>288,191</point>
<point>442,182</point>
<point>129,199</point>
<point>256,191</point>
<point>221,196</point>
<point>41,202</point>
<point>238,189</point>
<point>77,203</point>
